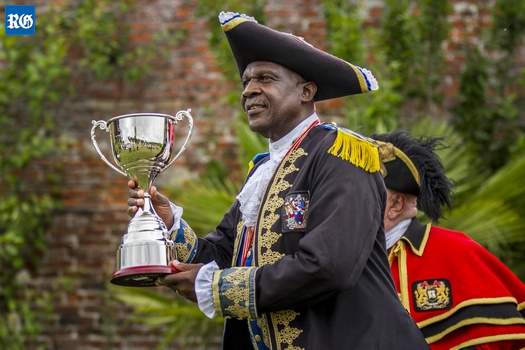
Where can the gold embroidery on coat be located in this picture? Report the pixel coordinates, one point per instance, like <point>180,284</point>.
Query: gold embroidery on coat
<point>269,212</point>
<point>284,333</point>
<point>238,291</point>
<point>262,322</point>
<point>181,248</point>
<point>269,239</point>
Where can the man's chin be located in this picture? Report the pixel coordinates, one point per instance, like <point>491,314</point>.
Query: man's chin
<point>258,128</point>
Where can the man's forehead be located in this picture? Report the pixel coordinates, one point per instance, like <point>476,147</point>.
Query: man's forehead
<point>266,66</point>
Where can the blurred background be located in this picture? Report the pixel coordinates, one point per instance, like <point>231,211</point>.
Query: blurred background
<point>454,69</point>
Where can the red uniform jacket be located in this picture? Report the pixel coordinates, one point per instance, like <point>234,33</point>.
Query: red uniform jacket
<point>460,295</point>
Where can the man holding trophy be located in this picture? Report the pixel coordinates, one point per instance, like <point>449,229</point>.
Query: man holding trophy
<point>299,261</point>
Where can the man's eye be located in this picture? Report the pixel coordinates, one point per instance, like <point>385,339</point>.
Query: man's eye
<point>266,78</point>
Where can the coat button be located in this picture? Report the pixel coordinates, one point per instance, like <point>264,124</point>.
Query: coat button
<point>257,338</point>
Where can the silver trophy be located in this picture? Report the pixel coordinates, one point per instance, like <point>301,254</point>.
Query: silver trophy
<point>143,146</point>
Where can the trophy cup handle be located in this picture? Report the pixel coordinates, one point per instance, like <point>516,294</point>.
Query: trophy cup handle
<point>179,116</point>
<point>103,126</point>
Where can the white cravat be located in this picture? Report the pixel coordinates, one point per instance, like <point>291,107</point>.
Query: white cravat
<point>395,233</point>
<point>253,191</point>
<point>250,199</point>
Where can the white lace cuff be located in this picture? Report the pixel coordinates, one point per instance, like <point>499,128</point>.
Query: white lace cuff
<point>203,288</point>
<point>177,215</point>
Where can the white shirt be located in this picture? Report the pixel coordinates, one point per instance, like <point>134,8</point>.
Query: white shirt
<point>395,233</point>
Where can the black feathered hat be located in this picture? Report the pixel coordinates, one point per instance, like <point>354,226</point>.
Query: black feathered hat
<point>412,166</point>
<point>334,77</point>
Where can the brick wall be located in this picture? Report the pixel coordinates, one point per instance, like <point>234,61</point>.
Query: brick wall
<point>81,243</point>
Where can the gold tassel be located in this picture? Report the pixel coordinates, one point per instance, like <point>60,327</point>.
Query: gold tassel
<point>356,150</point>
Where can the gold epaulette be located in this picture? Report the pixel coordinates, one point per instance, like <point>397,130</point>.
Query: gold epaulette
<point>356,150</point>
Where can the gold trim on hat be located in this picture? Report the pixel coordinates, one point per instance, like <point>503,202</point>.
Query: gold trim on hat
<point>388,152</point>
<point>401,155</point>
<point>233,23</point>
<point>362,82</point>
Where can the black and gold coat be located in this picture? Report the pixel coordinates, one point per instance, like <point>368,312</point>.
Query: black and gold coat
<point>323,282</point>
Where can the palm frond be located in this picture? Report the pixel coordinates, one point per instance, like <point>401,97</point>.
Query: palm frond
<point>180,320</point>
<point>205,200</point>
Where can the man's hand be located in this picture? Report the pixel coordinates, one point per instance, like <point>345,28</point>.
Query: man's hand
<point>184,280</point>
<point>160,202</point>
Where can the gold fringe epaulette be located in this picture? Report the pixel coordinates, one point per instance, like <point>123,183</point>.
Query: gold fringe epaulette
<point>356,150</point>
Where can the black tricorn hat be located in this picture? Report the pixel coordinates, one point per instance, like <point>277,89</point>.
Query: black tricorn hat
<point>412,166</point>
<point>334,77</point>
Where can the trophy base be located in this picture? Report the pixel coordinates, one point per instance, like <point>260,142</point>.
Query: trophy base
<point>141,276</point>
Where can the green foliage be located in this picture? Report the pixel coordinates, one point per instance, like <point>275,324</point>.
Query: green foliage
<point>489,125</point>
<point>31,82</point>
<point>509,25</point>
<point>115,57</point>
<point>375,111</point>
<point>346,39</point>
<point>456,158</point>
<point>343,26</point>
<point>398,38</point>
<point>36,79</point>
<point>249,142</point>
<point>413,43</point>
<point>493,214</point>
<point>181,321</point>
<point>205,200</point>
<point>491,91</point>
<point>433,28</point>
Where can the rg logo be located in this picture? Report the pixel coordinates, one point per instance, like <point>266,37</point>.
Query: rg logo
<point>16,21</point>
<point>20,19</point>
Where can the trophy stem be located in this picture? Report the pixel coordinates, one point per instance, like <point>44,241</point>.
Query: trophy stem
<point>148,206</point>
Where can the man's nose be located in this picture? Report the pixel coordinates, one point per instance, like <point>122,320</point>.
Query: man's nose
<point>251,88</point>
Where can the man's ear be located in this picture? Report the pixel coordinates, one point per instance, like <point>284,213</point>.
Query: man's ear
<point>396,206</point>
<point>309,91</point>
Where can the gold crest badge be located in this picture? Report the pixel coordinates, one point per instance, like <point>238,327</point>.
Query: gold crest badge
<point>432,294</point>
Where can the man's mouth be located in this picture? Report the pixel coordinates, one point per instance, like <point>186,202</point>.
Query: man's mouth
<point>254,108</point>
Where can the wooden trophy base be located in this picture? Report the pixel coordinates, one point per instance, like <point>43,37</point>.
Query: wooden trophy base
<point>141,276</point>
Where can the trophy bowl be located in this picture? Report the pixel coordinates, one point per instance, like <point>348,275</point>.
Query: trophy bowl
<point>142,145</point>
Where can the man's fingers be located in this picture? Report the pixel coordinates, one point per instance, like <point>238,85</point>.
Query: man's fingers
<point>135,193</point>
<point>132,210</point>
<point>132,184</point>
<point>177,279</point>
<point>182,266</point>
<point>182,283</point>
<point>153,192</point>
<point>133,202</point>
<point>158,197</point>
